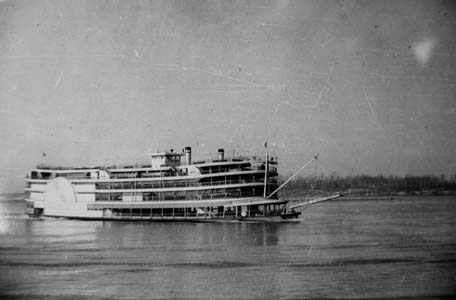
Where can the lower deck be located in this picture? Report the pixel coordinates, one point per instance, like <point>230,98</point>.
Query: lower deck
<point>266,212</point>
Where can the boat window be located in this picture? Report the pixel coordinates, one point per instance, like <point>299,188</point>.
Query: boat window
<point>46,175</point>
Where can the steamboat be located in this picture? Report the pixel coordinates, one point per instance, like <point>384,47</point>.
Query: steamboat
<point>171,188</point>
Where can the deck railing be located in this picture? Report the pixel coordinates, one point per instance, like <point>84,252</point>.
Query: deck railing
<point>188,196</point>
<point>158,185</point>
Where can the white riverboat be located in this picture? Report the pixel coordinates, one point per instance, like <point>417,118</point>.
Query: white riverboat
<point>171,187</point>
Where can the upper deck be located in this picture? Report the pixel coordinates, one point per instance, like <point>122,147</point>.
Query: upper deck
<point>165,165</point>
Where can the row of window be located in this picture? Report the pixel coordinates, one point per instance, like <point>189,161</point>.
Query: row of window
<point>219,211</point>
<point>182,195</point>
<point>175,184</point>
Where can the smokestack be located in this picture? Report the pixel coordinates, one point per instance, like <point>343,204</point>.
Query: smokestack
<point>221,154</point>
<point>188,155</point>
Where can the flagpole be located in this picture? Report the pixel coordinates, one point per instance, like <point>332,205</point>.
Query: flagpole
<point>265,175</point>
<point>265,169</point>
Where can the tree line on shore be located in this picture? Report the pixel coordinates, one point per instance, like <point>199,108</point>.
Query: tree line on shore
<point>375,185</point>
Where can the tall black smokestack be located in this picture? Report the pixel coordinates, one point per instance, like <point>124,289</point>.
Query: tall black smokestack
<point>188,155</point>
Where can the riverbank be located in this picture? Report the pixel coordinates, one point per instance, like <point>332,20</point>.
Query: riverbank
<point>366,185</point>
<point>295,192</point>
<point>301,196</point>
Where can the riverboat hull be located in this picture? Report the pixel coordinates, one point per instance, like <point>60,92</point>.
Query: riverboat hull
<point>272,219</point>
<point>235,209</point>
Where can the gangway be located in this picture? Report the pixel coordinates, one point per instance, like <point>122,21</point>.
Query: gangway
<point>313,201</point>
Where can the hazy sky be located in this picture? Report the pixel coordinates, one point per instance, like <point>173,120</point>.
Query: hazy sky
<point>370,85</point>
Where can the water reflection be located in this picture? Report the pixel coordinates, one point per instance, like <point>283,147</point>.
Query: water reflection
<point>187,235</point>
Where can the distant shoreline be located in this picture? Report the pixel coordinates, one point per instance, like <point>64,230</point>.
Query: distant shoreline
<point>424,193</point>
<point>374,198</point>
<point>297,194</point>
<point>365,186</point>
<point>391,197</point>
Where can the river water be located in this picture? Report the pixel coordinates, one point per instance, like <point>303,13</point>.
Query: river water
<point>343,249</point>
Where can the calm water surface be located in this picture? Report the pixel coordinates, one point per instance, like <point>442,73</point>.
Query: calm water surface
<point>345,249</point>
